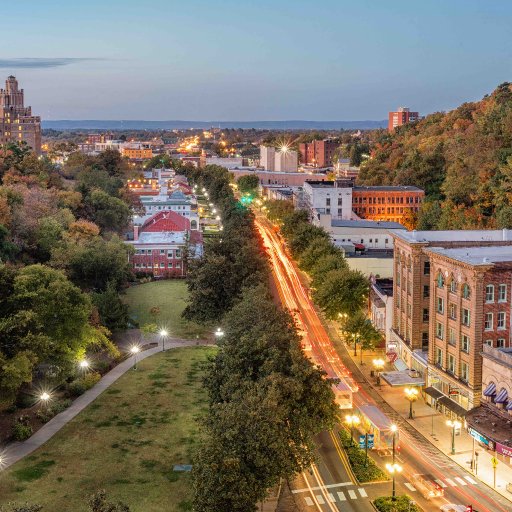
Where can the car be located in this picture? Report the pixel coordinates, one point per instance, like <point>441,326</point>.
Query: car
<point>452,507</point>
<point>427,486</point>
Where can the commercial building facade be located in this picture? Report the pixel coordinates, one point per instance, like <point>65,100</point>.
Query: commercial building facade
<point>319,153</point>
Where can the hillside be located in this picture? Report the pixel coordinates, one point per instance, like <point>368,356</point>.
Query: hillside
<point>463,160</point>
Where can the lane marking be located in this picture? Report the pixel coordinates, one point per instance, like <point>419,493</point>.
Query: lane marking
<point>352,494</point>
<point>341,496</point>
<point>441,483</point>
<point>332,499</point>
<point>459,479</point>
<point>470,480</point>
<point>330,486</point>
<point>309,501</point>
<point>320,499</point>
<point>362,492</point>
<point>451,482</point>
<point>410,486</point>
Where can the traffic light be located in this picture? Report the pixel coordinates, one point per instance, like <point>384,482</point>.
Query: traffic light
<point>469,508</point>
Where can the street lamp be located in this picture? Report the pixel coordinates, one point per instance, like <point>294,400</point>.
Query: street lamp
<point>84,364</point>
<point>135,350</point>
<point>44,397</point>
<point>412,395</point>
<point>454,425</point>
<point>356,336</point>
<point>163,334</point>
<point>394,429</point>
<point>352,421</point>
<point>219,333</point>
<point>393,469</point>
<point>379,365</point>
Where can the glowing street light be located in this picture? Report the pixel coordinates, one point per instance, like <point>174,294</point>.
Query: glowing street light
<point>135,350</point>
<point>163,334</point>
<point>44,397</point>
<point>378,365</point>
<point>84,364</point>
<point>455,425</point>
<point>393,469</point>
<point>352,421</point>
<point>411,394</point>
<point>219,333</point>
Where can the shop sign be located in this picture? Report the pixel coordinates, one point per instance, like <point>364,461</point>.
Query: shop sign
<point>479,437</point>
<point>503,450</point>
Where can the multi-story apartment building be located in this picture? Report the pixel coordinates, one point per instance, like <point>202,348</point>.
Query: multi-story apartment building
<point>268,158</point>
<point>402,116</point>
<point>17,124</point>
<point>328,197</point>
<point>319,152</point>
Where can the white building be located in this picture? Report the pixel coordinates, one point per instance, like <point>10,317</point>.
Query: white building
<point>286,161</point>
<point>328,198</point>
<point>381,305</point>
<point>268,158</point>
<point>228,163</point>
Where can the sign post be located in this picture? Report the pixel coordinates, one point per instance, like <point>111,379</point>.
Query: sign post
<point>494,462</point>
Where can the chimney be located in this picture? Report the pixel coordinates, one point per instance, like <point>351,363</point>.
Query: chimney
<point>135,233</point>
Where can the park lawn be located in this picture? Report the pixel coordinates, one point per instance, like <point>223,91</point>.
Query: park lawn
<point>170,297</point>
<point>125,442</point>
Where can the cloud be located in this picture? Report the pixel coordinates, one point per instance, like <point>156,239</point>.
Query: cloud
<point>36,62</point>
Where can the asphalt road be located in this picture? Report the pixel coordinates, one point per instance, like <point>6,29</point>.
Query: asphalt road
<point>329,486</point>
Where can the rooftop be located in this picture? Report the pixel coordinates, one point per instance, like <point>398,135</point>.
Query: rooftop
<point>342,223</point>
<point>484,235</point>
<point>387,188</point>
<point>163,237</point>
<point>476,255</point>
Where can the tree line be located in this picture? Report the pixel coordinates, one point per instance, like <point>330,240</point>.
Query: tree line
<point>266,400</point>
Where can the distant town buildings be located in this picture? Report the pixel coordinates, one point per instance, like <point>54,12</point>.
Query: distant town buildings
<point>283,159</point>
<point>268,158</point>
<point>319,153</point>
<point>402,116</point>
<point>17,124</point>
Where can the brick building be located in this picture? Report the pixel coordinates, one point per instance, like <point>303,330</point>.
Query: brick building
<point>402,116</point>
<point>17,124</point>
<point>318,152</point>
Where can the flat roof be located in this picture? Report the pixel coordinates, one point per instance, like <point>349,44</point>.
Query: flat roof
<point>477,235</point>
<point>387,188</point>
<point>342,223</point>
<point>163,237</point>
<point>476,255</point>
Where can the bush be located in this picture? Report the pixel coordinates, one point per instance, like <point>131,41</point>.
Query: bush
<point>401,504</point>
<point>81,385</point>
<point>25,400</point>
<point>357,458</point>
<point>48,413</point>
<point>21,428</point>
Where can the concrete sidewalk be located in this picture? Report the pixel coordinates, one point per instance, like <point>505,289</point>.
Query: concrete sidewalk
<point>432,425</point>
<point>17,450</point>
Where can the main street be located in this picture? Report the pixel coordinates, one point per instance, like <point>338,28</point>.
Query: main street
<point>330,485</point>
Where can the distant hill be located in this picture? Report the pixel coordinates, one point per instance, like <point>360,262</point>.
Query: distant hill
<point>462,158</point>
<point>177,124</point>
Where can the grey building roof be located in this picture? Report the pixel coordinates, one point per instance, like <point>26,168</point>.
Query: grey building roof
<point>342,223</point>
<point>477,235</point>
<point>476,255</point>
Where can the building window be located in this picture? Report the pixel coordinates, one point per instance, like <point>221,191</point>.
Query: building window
<point>451,363</point>
<point>464,371</point>
<point>328,202</point>
<point>500,342</point>
<point>451,336</point>
<point>466,291</point>
<point>426,291</point>
<point>453,311</point>
<point>439,357</point>
<point>440,280</point>
<point>488,342</point>
<point>178,253</point>
<point>439,330</point>
<point>409,310</point>
<point>453,286</point>
<point>162,265</point>
<point>398,278</point>
<point>169,264</point>
<point>489,321</point>
<point>489,293</point>
<point>425,314</point>
<point>502,318</point>
<point>162,251</point>
<point>169,254</point>
<point>424,340</point>
<point>466,317</point>
<point>440,305</point>
<point>398,302</point>
<point>340,201</point>
<point>502,293</point>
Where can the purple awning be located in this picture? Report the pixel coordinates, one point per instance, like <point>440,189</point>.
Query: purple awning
<point>509,406</point>
<point>502,396</point>
<point>490,389</point>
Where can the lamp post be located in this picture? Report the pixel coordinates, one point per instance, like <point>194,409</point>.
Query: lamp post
<point>44,398</point>
<point>135,350</point>
<point>356,336</point>
<point>378,365</point>
<point>394,429</point>
<point>163,334</point>
<point>352,421</point>
<point>412,395</point>
<point>454,425</point>
<point>393,469</point>
<point>219,333</point>
<point>84,365</point>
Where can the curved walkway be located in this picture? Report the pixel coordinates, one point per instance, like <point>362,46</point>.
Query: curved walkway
<point>17,450</point>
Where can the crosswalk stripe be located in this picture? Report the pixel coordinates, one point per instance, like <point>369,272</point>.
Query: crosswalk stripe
<point>320,499</point>
<point>451,482</point>
<point>341,496</point>
<point>352,494</point>
<point>409,486</point>
<point>362,492</point>
<point>459,479</point>
<point>332,499</point>
<point>470,480</point>
<point>441,483</point>
<point>309,501</point>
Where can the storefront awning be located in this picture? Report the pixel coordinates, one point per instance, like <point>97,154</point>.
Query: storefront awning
<point>452,406</point>
<point>400,365</point>
<point>502,396</point>
<point>433,392</point>
<point>509,406</point>
<point>490,389</point>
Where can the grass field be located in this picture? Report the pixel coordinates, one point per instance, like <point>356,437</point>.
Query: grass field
<point>125,442</point>
<point>169,299</point>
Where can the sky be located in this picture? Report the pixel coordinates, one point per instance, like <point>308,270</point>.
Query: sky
<point>254,60</point>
